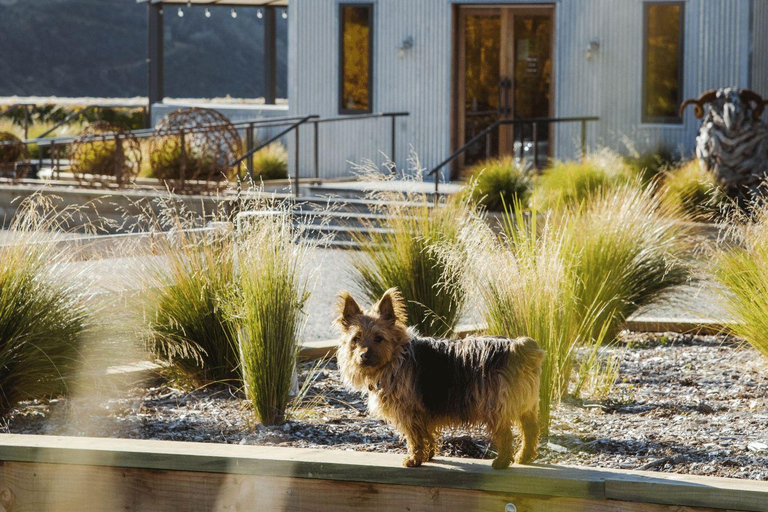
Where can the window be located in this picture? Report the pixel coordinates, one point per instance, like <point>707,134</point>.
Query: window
<point>356,84</point>
<point>662,61</point>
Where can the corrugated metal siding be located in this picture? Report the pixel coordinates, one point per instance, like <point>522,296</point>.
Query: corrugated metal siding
<point>759,77</point>
<point>716,55</point>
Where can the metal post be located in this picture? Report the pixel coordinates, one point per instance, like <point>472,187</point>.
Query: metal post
<point>155,92</point>
<point>317,151</point>
<point>296,163</point>
<point>488,146</point>
<point>270,55</point>
<point>54,160</point>
<point>26,122</point>
<point>522,143</point>
<point>583,138</point>
<point>437,182</point>
<point>248,148</point>
<point>183,157</point>
<point>535,145</point>
<point>393,154</point>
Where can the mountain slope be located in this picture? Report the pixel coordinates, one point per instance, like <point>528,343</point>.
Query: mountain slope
<point>98,48</point>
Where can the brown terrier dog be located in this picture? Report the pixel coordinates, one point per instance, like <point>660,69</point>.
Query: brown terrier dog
<point>421,385</point>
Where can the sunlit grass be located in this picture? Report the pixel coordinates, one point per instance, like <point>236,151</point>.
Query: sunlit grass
<point>187,324</point>
<point>494,183</point>
<point>44,314</point>
<point>626,250</point>
<point>402,252</point>
<point>271,163</point>
<point>570,183</point>
<point>742,269</point>
<point>268,308</point>
<point>693,190</point>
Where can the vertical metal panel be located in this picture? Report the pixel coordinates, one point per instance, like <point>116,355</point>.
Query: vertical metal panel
<point>609,85</point>
<point>759,75</point>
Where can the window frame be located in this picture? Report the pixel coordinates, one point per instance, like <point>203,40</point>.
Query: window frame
<point>370,7</point>
<point>675,119</point>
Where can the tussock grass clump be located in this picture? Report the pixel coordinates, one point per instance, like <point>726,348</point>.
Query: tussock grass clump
<point>403,252</point>
<point>188,325</point>
<point>569,279</point>
<point>498,182</point>
<point>571,183</point>
<point>742,269</point>
<point>626,250</point>
<point>43,312</point>
<point>271,162</point>
<point>268,307</point>
<point>526,289</point>
<point>693,190</point>
<point>651,164</point>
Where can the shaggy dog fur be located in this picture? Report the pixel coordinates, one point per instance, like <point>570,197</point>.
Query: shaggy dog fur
<point>421,385</point>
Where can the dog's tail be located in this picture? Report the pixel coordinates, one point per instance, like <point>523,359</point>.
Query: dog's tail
<point>530,352</point>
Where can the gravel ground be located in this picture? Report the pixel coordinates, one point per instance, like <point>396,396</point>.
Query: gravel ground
<point>682,404</point>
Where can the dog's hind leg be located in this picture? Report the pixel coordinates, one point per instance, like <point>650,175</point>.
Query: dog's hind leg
<point>431,444</point>
<point>501,436</point>
<point>529,434</point>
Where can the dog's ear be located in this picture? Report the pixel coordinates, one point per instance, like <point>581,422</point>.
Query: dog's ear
<point>391,307</point>
<point>347,309</point>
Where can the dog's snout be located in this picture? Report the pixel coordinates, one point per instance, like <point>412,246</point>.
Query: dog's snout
<point>365,357</point>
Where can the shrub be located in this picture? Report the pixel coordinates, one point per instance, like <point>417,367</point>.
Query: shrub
<point>188,326</point>
<point>571,183</point>
<point>402,252</point>
<point>166,163</point>
<point>268,305</point>
<point>43,314</point>
<point>525,289</point>
<point>742,270</point>
<point>570,280</point>
<point>494,183</point>
<point>693,190</point>
<point>271,163</point>
<point>626,251</point>
<point>650,165</point>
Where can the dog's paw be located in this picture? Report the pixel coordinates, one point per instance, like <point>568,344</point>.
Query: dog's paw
<point>411,462</point>
<point>499,463</point>
<point>525,458</point>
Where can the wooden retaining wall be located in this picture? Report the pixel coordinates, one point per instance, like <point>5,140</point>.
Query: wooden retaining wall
<point>47,473</point>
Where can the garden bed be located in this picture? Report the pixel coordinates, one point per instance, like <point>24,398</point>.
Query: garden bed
<point>683,404</point>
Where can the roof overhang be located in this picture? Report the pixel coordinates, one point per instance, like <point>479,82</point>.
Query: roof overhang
<point>224,3</point>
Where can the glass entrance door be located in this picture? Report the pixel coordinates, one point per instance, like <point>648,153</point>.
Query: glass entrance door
<point>505,72</point>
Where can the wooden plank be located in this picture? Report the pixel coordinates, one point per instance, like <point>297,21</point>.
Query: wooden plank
<point>448,473</point>
<point>34,487</point>
<point>705,326</point>
<point>304,463</point>
<point>719,493</point>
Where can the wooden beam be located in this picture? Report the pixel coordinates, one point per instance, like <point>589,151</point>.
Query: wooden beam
<point>40,465</point>
<point>32,487</point>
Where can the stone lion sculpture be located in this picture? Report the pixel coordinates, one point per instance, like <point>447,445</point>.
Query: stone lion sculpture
<point>732,141</point>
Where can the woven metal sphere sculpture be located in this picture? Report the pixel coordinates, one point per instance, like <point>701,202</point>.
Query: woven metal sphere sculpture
<point>14,157</point>
<point>106,155</point>
<point>192,149</point>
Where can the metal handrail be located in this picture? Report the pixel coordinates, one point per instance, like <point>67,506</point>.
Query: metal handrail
<point>249,154</point>
<point>533,121</point>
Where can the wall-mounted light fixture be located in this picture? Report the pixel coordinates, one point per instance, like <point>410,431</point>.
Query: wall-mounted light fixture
<point>592,48</point>
<point>406,45</point>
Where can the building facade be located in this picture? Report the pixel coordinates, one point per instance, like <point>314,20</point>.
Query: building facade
<point>457,66</point>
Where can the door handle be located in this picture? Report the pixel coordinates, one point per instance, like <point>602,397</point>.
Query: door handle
<point>505,86</point>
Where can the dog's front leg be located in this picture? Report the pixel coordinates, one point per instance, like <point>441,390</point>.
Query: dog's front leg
<point>417,438</point>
